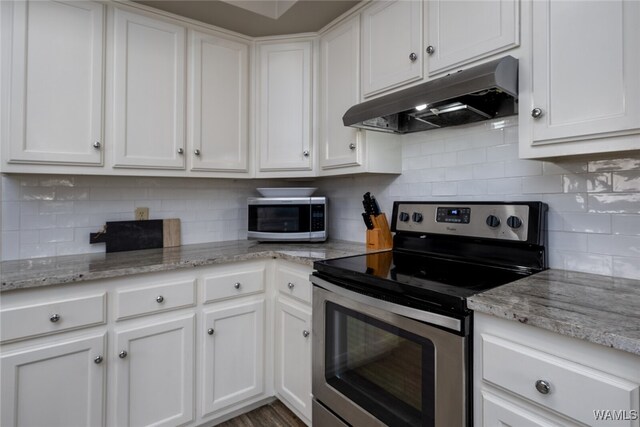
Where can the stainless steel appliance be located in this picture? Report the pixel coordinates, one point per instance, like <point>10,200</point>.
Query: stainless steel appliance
<point>392,331</point>
<point>287,219</point>
<point>483,92</point>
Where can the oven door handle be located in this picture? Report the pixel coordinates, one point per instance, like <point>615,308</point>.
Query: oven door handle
<point>412,313</point>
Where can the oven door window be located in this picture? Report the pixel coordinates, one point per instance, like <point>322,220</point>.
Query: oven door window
<point>279,218</point>
<point>387,371</point>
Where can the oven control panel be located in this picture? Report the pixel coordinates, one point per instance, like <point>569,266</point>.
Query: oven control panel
<point>495,221</point>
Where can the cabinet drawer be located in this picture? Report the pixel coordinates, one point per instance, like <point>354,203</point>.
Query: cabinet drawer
<point>51,317</point>
<point>154,299</point>
<point>232,284</point>
<point>294,283</point>
<point>574,390</point>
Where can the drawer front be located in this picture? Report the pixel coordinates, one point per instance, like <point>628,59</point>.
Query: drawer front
<point>294,283</point>
<point>574,390</point>
<point>52,317</point>
<point>233,284</point>
<point>155,299</point>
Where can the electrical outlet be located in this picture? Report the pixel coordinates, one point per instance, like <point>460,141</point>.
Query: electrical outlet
<point>142,214</point>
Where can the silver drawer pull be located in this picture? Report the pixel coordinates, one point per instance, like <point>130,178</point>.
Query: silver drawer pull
<point>54,318</point>
<point>122,354</point>
<point>290,285</point>
<point>159,299</point>
<point>236,285</point>
<point>543,386</point>
<point>305,334</point>
<point>210,331</point>
<point>97,360</point>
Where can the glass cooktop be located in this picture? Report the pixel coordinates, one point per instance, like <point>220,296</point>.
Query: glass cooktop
<point>415,279</point>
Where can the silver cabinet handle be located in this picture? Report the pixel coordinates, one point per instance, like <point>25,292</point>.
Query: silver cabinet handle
<point>122,354</point>
<point>413,56</point>
<point>305,153</point>
<point>196,152</point>
<point>236,285</point>
<point>180,151</point>
<point>290,285</point>
<point>97,145</point>
<point>543,386</point>
<point>210,331</point>
<point>305,334</point>
<point>536,113</point>
<point>352,146</point>
<point>431,50</point>
<point>159,299</point>
<point>97,360</point>
<point>54,318</point>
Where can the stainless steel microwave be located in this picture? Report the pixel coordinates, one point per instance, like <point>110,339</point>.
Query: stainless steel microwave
<point>287,219</point>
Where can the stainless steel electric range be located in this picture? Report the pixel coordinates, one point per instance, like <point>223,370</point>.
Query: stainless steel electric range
<point>392,331</point>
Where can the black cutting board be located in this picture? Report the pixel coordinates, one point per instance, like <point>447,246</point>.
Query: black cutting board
<point>131,235</point>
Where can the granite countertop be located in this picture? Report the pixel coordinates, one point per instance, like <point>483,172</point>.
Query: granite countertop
<point>37,272</point>
<point>600,309</point>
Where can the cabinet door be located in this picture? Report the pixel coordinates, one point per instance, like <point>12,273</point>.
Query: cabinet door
<point>55,71</point>
<point>391,35</point>
<point>460,32</point>
<point>233,355</point>
<point>61,384</point>
<point>219,97</point>
<point>340,90</point>
<point>497,412</point>
<point>293,355</point>
<point>284,109</point>
<point>582,83</point>
<point>149,86</point>
<point>153,367</point>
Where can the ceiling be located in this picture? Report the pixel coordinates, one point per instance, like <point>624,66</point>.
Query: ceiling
<point>258,18</point>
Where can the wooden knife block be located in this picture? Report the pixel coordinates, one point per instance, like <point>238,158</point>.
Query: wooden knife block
<point>380,236</point>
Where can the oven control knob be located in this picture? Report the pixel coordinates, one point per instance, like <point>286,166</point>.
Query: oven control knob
<point>493,221</point>
<point>417,217</point>
<point>404,217</point>
<point>514,222</point>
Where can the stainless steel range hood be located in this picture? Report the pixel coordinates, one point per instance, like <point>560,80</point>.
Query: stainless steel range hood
<point>483,92</point>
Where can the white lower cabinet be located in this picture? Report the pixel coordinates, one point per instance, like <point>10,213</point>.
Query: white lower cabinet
<point>293,354</point>
<point>58,383</point>
<point>527,376</point>
<point>154,372</point>
<point>232,354</point>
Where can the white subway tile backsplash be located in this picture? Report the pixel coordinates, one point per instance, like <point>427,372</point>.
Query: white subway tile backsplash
<point>587,182</point>
<point>587,262</point>
<point>566,202</point>
<point>458,173</point>
<point>626,181</point>
<point>11,216</point>
<point>488,170</point>
<point>542,184</point>
<point>627,267</point>
<point>616,203</point>
<point>502,152</point>
<point>588,223</point>
<point>626,224</point>
<point>564,166</point>
<point>55,235</point>
<point>611,244</point>
<point>444,189</point>
<point>469,157</point>
<point>620,164</point>
<point>564,241</point>
<point>444,160</point>
<point>519,168</point>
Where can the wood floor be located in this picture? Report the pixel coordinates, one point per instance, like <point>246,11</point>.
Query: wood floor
<point>272,415</point>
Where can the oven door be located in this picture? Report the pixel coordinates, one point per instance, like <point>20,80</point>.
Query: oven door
<point>374,367</point>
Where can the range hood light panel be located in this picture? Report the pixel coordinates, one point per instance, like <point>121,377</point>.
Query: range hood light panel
<point>421,107</point>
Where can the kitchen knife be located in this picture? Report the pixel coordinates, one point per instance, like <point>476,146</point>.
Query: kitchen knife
<point>367,221</point>
<point>375,206</point>
<point>368,205</point>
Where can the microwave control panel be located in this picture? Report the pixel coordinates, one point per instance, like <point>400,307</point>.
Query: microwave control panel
<point>317,217</point>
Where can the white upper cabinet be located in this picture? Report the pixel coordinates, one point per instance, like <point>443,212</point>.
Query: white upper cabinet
<point>340,90</point>
<point>53,63</point>
<point>391,45</point>
<point>218,103</point>
<point>149,92</point>
<point>580,85</point>
<point>284,139</point>
<point>460,32</point>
